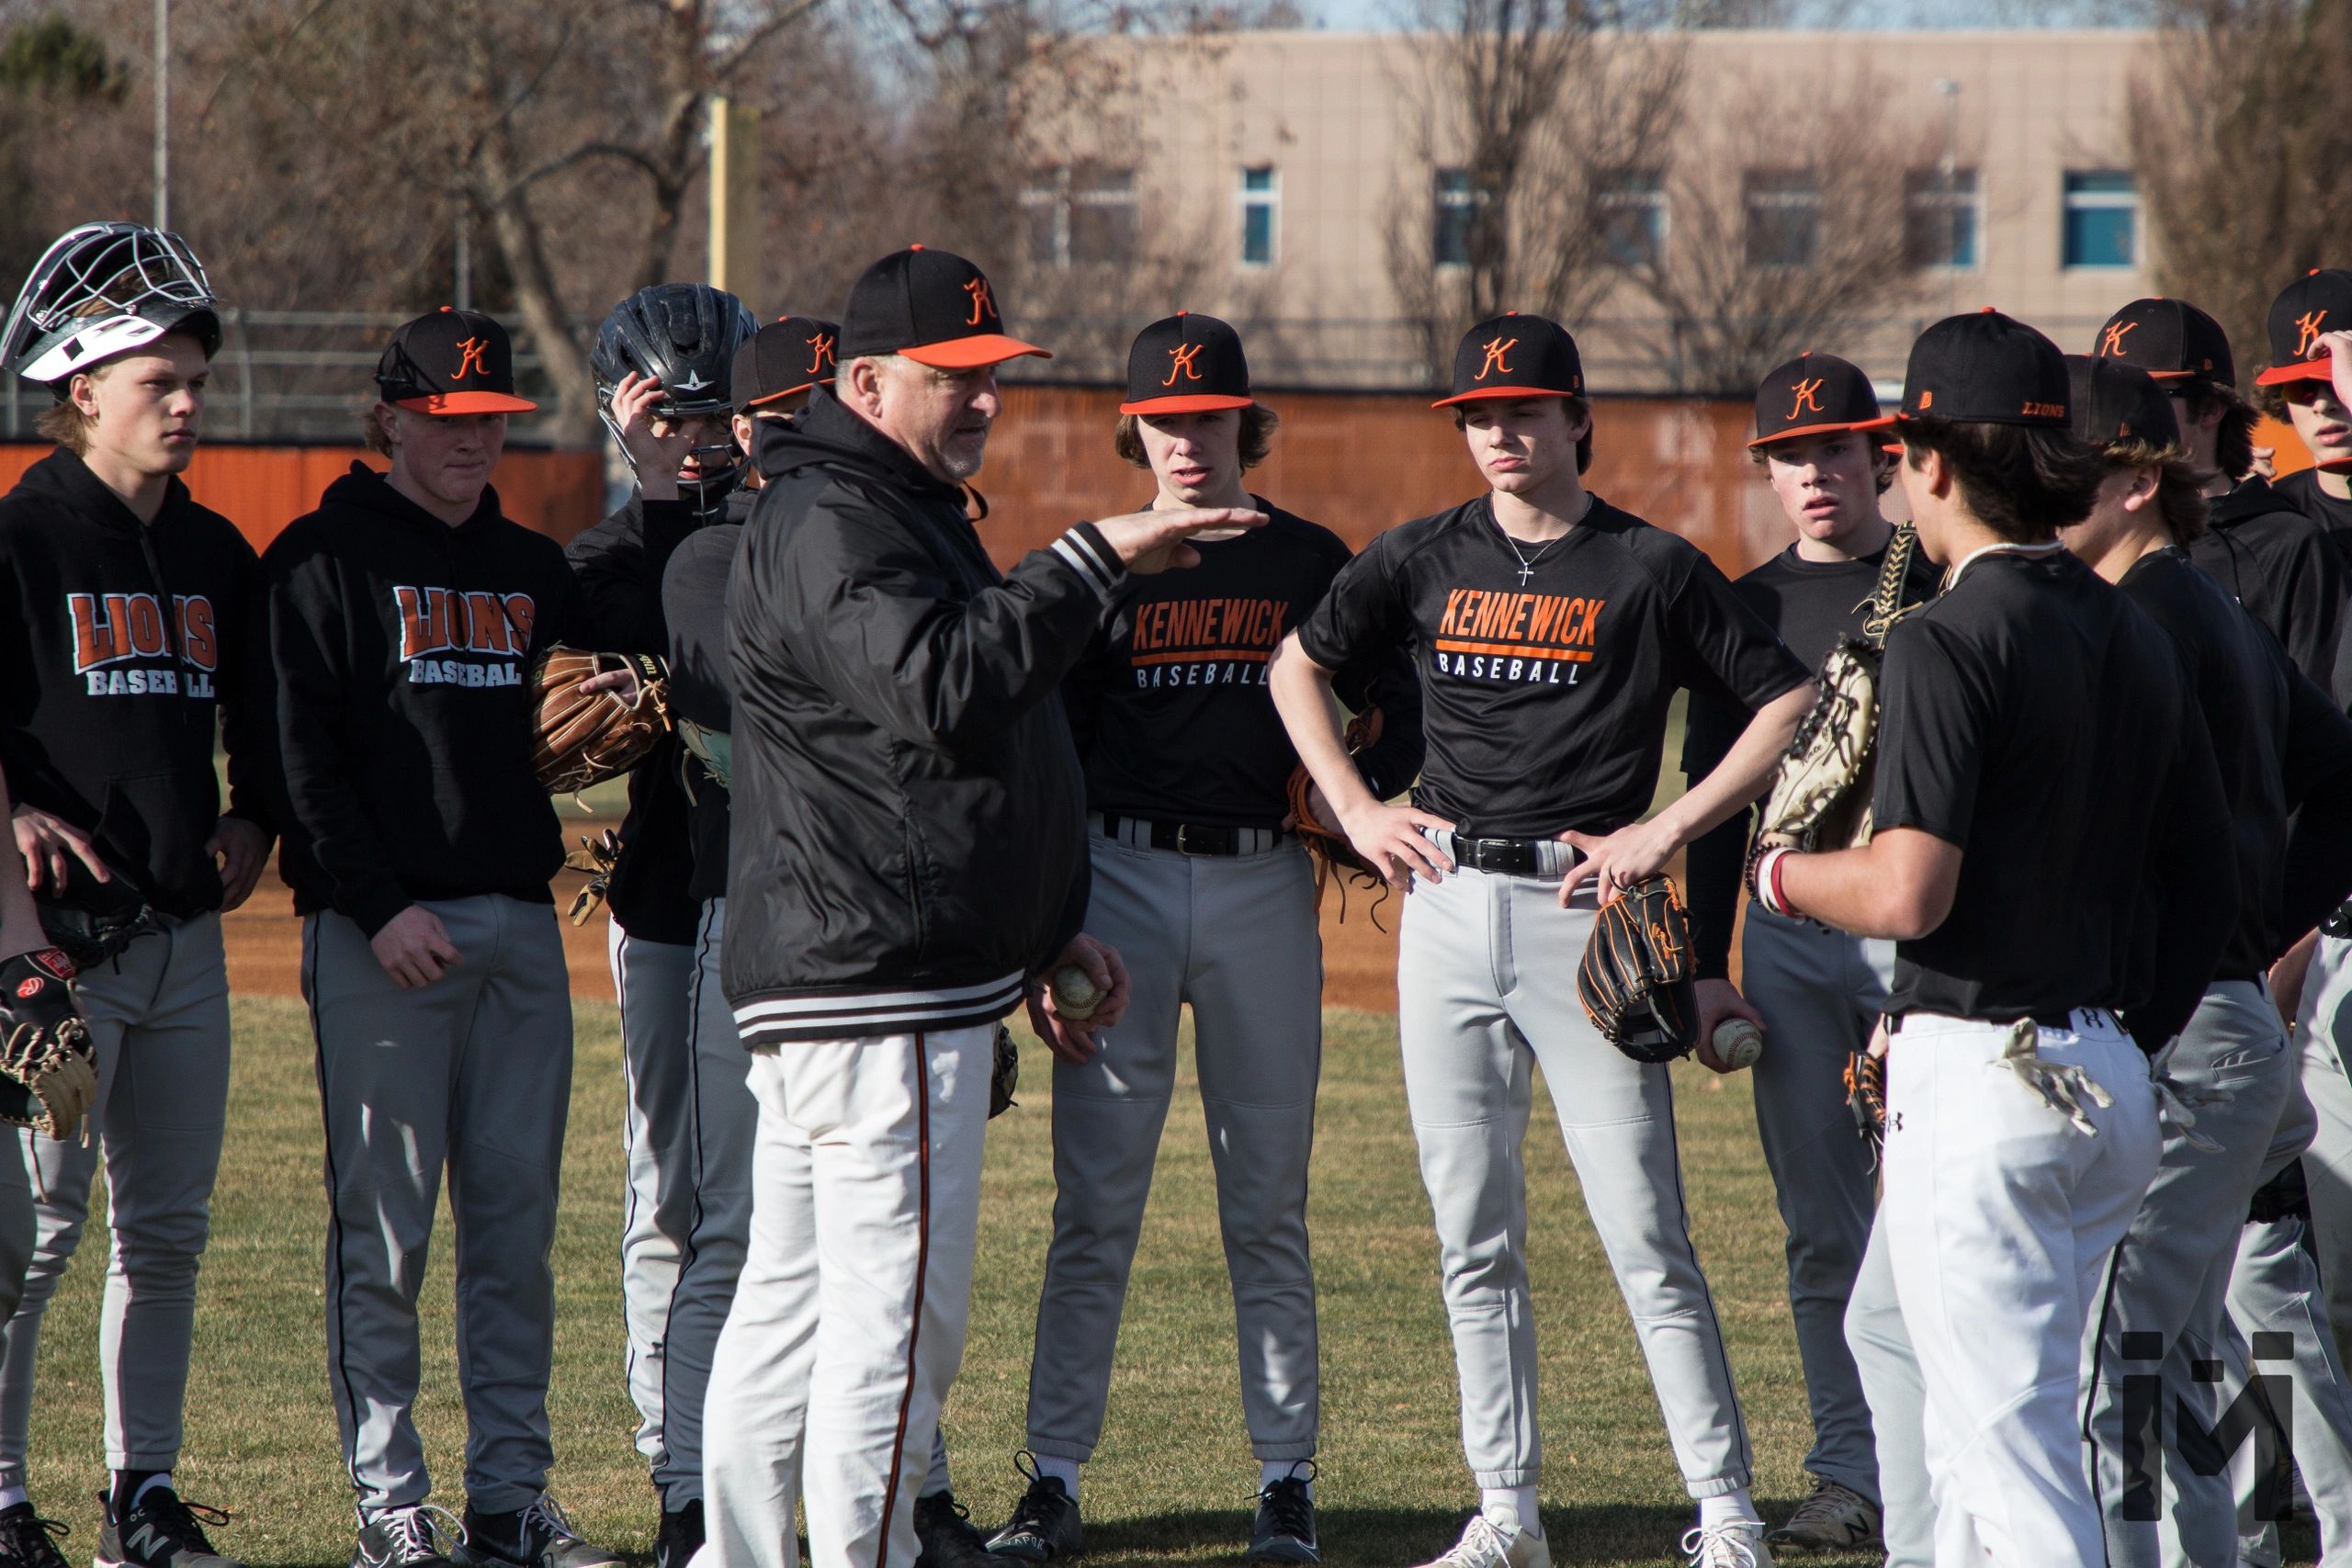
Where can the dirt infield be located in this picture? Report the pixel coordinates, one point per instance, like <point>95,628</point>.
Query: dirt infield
<point>266,943</point>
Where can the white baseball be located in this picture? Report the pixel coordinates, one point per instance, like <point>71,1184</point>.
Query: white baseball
<point>1739,1042</point>
<point>1076,995</point>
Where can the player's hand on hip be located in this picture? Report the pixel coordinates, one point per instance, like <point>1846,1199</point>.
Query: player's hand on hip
<point>656,457</point>
<point>1391,838</point>
<point>414,948</point>
<point>1719,999</point>
<point>50,844</point>
<point>1614,861</point>
<point>244,850</point>
<point>1147,541</point>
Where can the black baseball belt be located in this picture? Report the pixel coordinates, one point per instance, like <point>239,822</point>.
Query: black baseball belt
<point>1513,857</point>
<point>1189,837</point>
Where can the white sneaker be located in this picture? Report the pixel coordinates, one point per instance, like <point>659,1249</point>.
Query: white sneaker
<point>1738,1544</point>
<point>1487,1544</point>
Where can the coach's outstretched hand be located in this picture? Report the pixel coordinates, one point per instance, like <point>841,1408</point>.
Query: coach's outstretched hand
<point>414,948</point>
<point>1147,541</point>
<point>1072,1039</point>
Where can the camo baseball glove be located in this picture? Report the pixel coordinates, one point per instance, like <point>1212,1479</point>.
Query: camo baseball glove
<point>1005,1076</point>
<point>1327,846</point>
<point>581,738</point>
<point>1866,1098</point>
<point>48,1068</point>
<point>1636,981</point>
<point>596,857</point>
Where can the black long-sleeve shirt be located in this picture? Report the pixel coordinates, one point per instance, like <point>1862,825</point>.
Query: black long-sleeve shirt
<point>403,719</point>
<point>2276,561</point>
<point>108,697</point>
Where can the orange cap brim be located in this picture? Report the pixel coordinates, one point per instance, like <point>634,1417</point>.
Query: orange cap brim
<point>971,353</point>
<point>1485,393</point>
<point>803,386</point>
<point>2302,370</point>
<point>1884,421</point>
<point>1190,402</point>
<point>468,403</point>
<point>1810,429</point>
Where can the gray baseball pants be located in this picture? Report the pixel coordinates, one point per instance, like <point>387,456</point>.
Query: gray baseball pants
<point>688,1128</point>
<point>159,1020</point>
<point>1889,1368</point>
<point>473,1073</point>
<point>1485,990</point>
<point>2325,1041</point>
<point>1820,992</point>
<point>2171,1271</point>
<point>1235,937</point>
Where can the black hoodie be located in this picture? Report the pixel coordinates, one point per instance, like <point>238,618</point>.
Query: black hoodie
<point>404,724</point>
<point>107,705</point>
<point>2277,562</point>
<point>908,838</point>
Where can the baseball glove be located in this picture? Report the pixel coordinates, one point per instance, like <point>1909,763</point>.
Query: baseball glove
<point>714,749</point>
<point>1327,846</point>
<point>50,1067</point>
<point>91,921</point>
<point>596,857</point>
<point>1005,1076</point>
<point>1866,1098</point>
<point>580,738</point>
<point>1636,981</point>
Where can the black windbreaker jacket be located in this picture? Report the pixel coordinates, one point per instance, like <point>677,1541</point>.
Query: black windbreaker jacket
<point>106,702</point>
<point>909,834</point>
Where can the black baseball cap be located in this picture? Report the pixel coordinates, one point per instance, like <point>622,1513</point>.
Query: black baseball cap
<point>1811,394</point>
<point>450,362</point>
<point>789,354</point>
<point>1511,356</point>
<point>2170,338</point>
<point>934,307</point>
<point>1187,364</point>
<point>2319,302</point>
<point>1987,369</point>
<point>2114,400</point>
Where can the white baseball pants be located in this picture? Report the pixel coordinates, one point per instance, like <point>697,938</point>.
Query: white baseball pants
<point>2325,1039</point>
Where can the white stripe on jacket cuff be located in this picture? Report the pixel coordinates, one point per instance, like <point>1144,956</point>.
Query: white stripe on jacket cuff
<point>1084,548</point>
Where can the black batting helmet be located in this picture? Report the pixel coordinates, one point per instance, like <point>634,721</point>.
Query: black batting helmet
<point>683,335</point>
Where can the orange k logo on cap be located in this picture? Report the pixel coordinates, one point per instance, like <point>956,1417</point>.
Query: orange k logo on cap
<point>1180,359</point>
<point>983,308</point>
<point>2111,344</point>
<point>471,358</point>
<point>1808,397</point>
<point>2308,326</point>
<point>1496,349</point>
<point>821,351</point>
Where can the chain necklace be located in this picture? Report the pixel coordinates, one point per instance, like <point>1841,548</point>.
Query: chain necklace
<point>1526,562</point>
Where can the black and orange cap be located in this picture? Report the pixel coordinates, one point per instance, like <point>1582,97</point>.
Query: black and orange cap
<point>789,354</point>
<point>2115,400</point>
<point>451,361</point>
<point>1811,395</point>
<point>934,307</point>
<point>1511,356</point>
<point>2170,338</point>
<point>1987,368</point>
<point>1187,364</point>
<point>2318,302</point>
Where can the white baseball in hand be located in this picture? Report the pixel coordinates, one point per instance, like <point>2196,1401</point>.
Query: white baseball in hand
<point>1076,995</point>
<point>1737,1042</point>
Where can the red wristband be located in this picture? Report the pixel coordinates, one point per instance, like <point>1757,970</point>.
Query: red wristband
<point>1770,891</point>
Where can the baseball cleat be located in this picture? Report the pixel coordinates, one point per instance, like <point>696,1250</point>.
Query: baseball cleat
<point>1834,1518</point>
<point>161,1531</point>
<point>1737,1544</point>
<point>681,1535</point>
<point>943,1527</point>
<point>28,1540</point>
<point>1045,1523</point>
<point>404,1538</point>
<point>537,1535</point>
<point>1284,1530</point>
<point>1492,1544</point>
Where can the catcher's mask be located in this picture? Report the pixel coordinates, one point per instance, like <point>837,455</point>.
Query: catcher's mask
<point>104,290</point>
<point>683,335</point>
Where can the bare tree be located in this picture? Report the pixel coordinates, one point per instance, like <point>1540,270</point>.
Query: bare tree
<point>1518,117</point>
<point>1764,262</point>
<point>2243,140</point>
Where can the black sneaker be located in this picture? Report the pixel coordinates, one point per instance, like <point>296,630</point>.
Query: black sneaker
<point>1284,1529</point>
<point>533,1537</point>
<point>160,1531</point>
<point>1045,1522</point>
<point>678,1539</point>
<point>403,1537</point>
<point>943,1525</point>
<point>28,1540</point>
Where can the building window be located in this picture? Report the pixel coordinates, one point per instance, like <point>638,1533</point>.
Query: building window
<point>1458,200</point>
<point>1081,216</point>
<point>1260,208</point>
<point>1784,217</point>
<point>1940,217</point>
<point>2102,226</point>
<point>1632,205</point>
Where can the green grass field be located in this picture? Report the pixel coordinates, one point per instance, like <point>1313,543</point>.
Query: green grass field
<point>1172,1479</point>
